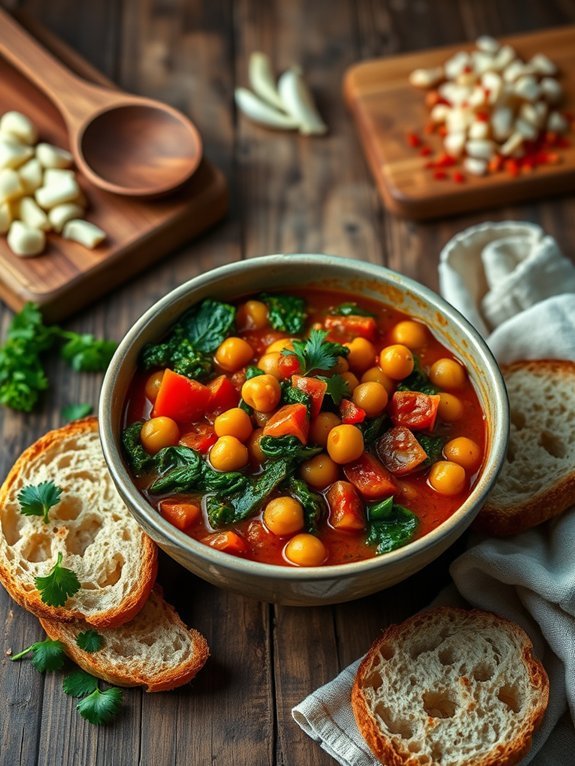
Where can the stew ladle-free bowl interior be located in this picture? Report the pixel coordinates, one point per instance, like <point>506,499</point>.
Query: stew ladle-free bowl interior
<point>313,585</point>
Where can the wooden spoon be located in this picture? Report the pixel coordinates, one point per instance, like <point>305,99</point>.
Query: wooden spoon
<point>123,143</point>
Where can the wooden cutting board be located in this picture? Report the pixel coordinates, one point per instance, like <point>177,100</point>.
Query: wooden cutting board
<point>386,108</point>
<point>67,276</point>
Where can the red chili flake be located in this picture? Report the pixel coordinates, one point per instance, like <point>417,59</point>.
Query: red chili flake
<point>430,164</point>
<point>458,177</point>
<point>553,158</point>
<point>432,99</point>
<point>551,138</point>
<point>512,167</point>
<point>495,163</point>
<point>413,140</point>
<point>442,131</point>
<point>445,161</point>
<point>425,151</point>
<point>482,116</point>
<point>467,69</point>
<point>440,175</point>
<point>563,143</point>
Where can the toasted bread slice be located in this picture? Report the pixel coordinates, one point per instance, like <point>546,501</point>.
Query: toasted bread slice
<point>537,480</point>
<point>114,560</point>
<point>450,687</point>
<point>155,649</point>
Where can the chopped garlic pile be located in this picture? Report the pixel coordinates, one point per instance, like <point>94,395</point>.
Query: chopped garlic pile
<point>490,106</point>
<point>38,191</point>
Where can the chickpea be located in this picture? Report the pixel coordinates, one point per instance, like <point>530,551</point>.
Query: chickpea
<point>447,373</point>
<point>269,363</point>
<point>345,443</point>
<point>351,380</point>
<point>261,418</point>
<point>279,345</point>
<point>228,454</point>
<point>153,384</point>
<point>371,397</point>
<point>284,516</point>
<point>159,432</point>
<point>377,375</point>
<point>233,354</point>
<point>361,354</point>
<point>254,448</point>
<point>305,550</point>
<point>396,361</point>
<point>262,393</point>
<point>409,333</point>
<point>252,315</point>
<point>321,426</point>
<point>319,471</point>
<point>450,407</point>
<point>463,451</point>
<point>342,365</point>
<point>447,478</point>
<point>234,422</point>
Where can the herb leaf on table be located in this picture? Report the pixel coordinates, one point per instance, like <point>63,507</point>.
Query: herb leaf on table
<point>78,683</point>
<point>100,707</point>
<point>46,655</point>
<point>75,411</point>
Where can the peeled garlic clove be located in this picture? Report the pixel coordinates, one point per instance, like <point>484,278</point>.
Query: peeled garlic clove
<point>557,123</point>
<point>5,217</point>
<point>257,110</point>
<point>53,156</point>
<point>262,79</point>
<point>13,153</point>
<point>454,143</point>
<point>57,175</point>
<point>480,149</point>
<point>32,215</point>
<point>18,125</point>
<point>528,88</point>
<point>426,78</point>
<point>64,190</point>
<point>478,130</point>
<point>84,232</point>
<point>475,166</point>
<point>487,44</point>
<point>61,214</point>
<point>31,175</point>
<point>25,241</point>
<point>513,144</point>
<point>10,185</point>
<point>526,129</point>
<point>551,89</point>
<point>299,104</point>
<point>542,64</point>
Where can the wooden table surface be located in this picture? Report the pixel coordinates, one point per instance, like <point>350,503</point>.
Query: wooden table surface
<point>288,194</point>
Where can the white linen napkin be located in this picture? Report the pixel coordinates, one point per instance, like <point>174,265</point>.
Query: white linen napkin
<point>515,286</point>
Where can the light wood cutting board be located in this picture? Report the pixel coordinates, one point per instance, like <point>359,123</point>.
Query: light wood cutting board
<point>386,108</point>
<point>67,276</point>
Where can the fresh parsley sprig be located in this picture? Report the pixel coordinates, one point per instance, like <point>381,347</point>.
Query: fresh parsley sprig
<point>58,585</point>
<point>316,354</point>
<point>37,499</point>
<point>337,387</point>
<point>96,706</point>
<point>90,640</point>
<point>46,655</point>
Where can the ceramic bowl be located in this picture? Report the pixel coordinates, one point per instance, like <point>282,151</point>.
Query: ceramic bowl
<point>313,585</point>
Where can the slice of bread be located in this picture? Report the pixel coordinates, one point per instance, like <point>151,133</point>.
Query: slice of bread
<point>537,480</point>
<point>450,687</point>
<point>155,649</point>
<point>114,560</point>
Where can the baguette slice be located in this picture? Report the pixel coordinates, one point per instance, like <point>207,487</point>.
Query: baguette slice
<point>450,687</point>
<point>537,480</point>
<point>100,541</point>
<point>155,649</point>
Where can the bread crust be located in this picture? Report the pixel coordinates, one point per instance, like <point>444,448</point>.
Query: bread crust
<point>502,520</point>
<point>30,599</point>
<point>389,751</point>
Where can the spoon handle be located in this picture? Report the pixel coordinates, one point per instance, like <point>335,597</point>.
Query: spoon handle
<point>74,97</point>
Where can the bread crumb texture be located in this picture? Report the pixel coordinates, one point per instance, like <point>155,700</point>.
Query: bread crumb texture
<point>450,687</point>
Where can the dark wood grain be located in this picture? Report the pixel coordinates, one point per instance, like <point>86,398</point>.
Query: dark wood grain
<point>288,194</point>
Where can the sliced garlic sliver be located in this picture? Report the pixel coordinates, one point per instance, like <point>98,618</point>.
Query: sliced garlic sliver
<point>299,104</point>
<point>25,241</point>
<point>84,232</point>
<point>258,111</point>
<point>262,79</point>
<point>53,156</point>
<point>61,214</point>
<point>18,125</point>
<point>32,215</point>
<point>513,143</point>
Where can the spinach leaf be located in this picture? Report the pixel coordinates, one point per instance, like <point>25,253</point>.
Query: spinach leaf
<point>372,428</point>
<point>390,525</point>
<point>286,447</point>
<point>293,395</point>
<point>220,512</point>
<point>433,445</point>
<point>227,482</point>
<point>184,478</point>
<point>258,489</point>
<point>207,324</point>
<point>253,372</point>
<point>418,380</point>
<point>184,470</point>
<point>312,502</point>
<point>179,355</point>
<point>176,457</point>
<point>285,312</point>
<point>139,460</point>
<point>351,309</point>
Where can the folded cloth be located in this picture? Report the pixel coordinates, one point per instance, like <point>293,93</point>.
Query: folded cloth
<point>529,578</point>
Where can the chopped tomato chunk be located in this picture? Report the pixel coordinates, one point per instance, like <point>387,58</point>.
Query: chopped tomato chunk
<point>290,420</point>
<point>370,477</point>
<point>314,388</point>
<point>288,365</point>
<point>181,514</point>
<point>345,507</point>
<point>350,412</point>
<point>414,410</point>
<point>352,326</point>
<point>228,541</point>
<point>400,451</point>
<point>223,394</point>
<point>180,398</point>
<point>200,437</point>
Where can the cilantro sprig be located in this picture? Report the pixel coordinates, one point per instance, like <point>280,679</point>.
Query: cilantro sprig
<point>316,354</point>
<point>37,499</point>
<point>46,655</point>
<point>75,411</point>
<point>337,387</point>
<point>90,641</point>
<point>58,585</point>
<point>96,706</point>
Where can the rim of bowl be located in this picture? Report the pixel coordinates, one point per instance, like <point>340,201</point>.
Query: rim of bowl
<point>140,508</point>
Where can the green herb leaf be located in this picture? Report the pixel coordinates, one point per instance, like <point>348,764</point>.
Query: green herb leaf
<point>220,512</point>
<point>100,707</point>
<point>351,309</point>
<point>58,585</point>
<point>46,655</point>
<point>227,482</point>
<point>78,683</point>
<point>433,446</point>
<point>372,429</point>
<point>316,354</point>
<point>36,500</point>
<point>90,640</point>
<point>76,411</point>
<point>312,502</point>
<point>288,446</point>
<point>208,324</point>
<point>418,380</point>
<point>337,387</point>
<point>253,372</point>
<point>294,395</point>
<point>390,525</point>
<point>85,353</point>
<point>140,461</point>
<point>286,313</point>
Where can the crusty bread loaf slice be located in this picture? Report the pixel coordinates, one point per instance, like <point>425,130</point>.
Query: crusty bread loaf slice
<point>450,687</point>
<point>155,649</point>
<point>98,538</point>
<point>537,480</point>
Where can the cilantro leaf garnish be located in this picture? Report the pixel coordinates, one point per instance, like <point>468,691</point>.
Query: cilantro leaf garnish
<point>78,683</point>
<point>337,387</point>
<point>36,500</point>
<point>85,353</point>
<point>46,655</point>
<point>316,354</point>
<point>58,584</point>
<point>100,707</point>
<point>76,411</point>
<point>90,640</point>
<point>351,309</point>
